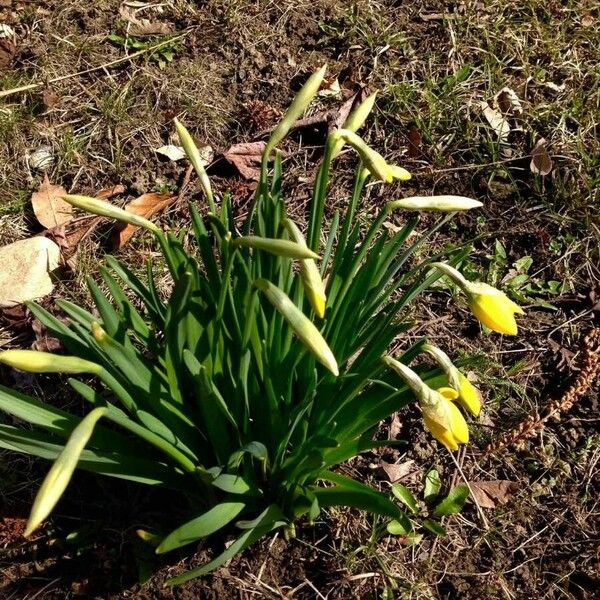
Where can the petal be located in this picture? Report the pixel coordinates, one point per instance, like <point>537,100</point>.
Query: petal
<point>448,393</point>
<point>469,396</point>
<point>460,430</point>
<point>444,436</point>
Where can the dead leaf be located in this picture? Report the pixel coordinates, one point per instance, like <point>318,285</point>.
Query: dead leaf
<point>49,207</point>
<point>172,152</point>
<point>331,89</point>
<point>8,50</point>
<point>43,342</point>
<point>587,20</point>
<point>50,98</point>
<point>42,158</point>
<point>395,427</point>
<point>541,163</point>
<point>414,142</point>
<point>144,206</point>
<point>109,192</point>
<point>508,102</point>
<point>246,158</point>
<point>496,121</point>
<point>25,270</point>
<point>143,27</point>
<point>394,472</point>
<point>489,494</point>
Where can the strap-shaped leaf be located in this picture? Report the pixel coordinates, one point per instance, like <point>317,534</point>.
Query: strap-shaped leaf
<point>60,473</point>
<point>202,526</point>
<point>270,519</point>
<point>349,492</point>
<point>132,468</point>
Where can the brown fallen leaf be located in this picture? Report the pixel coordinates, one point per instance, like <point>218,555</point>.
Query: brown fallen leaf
<point>50,98</point>
<point>246,158</point>
<point>49,207</point>
<point>541,163</point>
<point>393,471</point>
<point>44,342</point>
<point>414,142</point>
<point>489,494</point>
<point>145,206</point>
<point>8,50</point>
<point>109,192</point>
<point>143,27</point>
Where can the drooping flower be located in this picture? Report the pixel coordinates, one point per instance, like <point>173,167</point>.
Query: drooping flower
<point>444,420</point>
<point>441,416</point>
<point>492,307</point>
<point>468,395</point>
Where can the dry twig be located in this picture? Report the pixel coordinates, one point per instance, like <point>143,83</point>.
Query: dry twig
<point>584,380</point>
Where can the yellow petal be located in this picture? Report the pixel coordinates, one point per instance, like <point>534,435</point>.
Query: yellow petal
<point>444,436</point>
<point>468,396</point>
<point>459,427</point>
<point>495,311</point>
<point>448,393</point>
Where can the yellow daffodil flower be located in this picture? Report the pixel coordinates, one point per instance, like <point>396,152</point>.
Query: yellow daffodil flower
<point>492,307</point>
<point>441,416</point>
<point>468,395</point>
<point>444,421</point>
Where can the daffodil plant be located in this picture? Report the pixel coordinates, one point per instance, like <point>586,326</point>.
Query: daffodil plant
<point>266,365</point>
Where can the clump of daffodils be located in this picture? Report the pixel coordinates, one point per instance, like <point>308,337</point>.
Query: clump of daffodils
<point>261,372</point>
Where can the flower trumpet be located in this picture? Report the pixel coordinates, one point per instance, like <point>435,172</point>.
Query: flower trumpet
<point>468,395</point>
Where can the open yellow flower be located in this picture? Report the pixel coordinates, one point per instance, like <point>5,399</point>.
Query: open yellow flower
<point>444,420</point>
<point>492,307</point>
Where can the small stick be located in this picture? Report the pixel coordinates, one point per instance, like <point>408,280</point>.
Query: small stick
<point>33,86</point>
<point>584,380</point>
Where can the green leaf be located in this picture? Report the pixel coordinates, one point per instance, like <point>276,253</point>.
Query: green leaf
<point>396,528</point>
<point>268,520</point>
<point>348,492</point>
<point>404,495</point>
<point>60,473</point>
<point>433,485</point>
<point>235,484</point>
<point>434,527</point>
<point>453,502</point>
<point>202,526</point>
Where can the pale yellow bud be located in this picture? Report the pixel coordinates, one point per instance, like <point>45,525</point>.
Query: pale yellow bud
<point>276,246</point>
<point>300,323</point>
<point>300,103</point>
<point>434,203</point>
<point>105,209</point>
<point>32,361</point>
<point>193,155</point>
